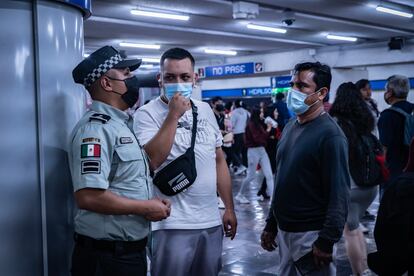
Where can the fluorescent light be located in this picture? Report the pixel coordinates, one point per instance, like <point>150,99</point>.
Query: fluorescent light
<point>138,45</point>
<point>151,60</point>
<point>345,38</point>
<point>146,66</point>
<point>220,52</point>
<point>85,55</point>
<point>160,15</point>
<point>266,28</point>
<point>381,8</point>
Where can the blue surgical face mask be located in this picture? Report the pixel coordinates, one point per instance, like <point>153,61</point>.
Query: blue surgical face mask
<point>185,88</point>
<point>296,101</point>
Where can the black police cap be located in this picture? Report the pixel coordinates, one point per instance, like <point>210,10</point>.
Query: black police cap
<point>100,62</point>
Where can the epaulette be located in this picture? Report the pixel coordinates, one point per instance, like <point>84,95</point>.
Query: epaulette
<point>100,117</point>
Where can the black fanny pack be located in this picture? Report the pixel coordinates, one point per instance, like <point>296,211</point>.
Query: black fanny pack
<point>180,173</point>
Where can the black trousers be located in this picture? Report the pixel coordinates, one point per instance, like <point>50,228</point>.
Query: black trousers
<point>91,260</point>
<point>239,150</point>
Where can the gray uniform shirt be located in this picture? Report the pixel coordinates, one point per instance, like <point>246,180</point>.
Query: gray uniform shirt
<point>105,154</point>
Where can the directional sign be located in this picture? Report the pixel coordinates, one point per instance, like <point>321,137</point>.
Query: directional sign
<point>258,67</point>
<point>280,82</point>
<point>230,70</point>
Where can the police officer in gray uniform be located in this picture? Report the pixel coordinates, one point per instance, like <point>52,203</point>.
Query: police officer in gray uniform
<point>110,173</point>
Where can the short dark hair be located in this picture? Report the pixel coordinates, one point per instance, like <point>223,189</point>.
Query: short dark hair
<point>176,53</point>
<point>322,73</point>
<point>361,83</point>
<point>238,103</point>
<point>216,99</point>
<point>280,96</point>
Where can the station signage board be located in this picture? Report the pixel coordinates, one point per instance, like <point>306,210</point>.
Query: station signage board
<point>233,69</point>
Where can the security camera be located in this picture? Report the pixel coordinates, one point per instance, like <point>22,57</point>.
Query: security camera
<point>288,17</point>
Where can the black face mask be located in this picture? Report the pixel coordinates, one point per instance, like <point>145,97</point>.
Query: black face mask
<point>131,96</point>
<point>219,107</point>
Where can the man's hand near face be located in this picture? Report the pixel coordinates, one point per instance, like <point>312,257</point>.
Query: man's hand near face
<point>178,105</point>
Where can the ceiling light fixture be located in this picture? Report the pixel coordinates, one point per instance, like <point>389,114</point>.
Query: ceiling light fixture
<point>382,8</point>
<point>151,60</point>
<point>160,15</point>
<point>138,45</point>
<point>146,66</point>
<point>266,28</point>
<point>220,52</point>
<point>344,38</point>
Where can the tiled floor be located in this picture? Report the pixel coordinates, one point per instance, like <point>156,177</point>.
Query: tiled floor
<point>244,256</point>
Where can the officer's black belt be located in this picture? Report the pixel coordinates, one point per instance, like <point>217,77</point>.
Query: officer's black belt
<point>107,245</point>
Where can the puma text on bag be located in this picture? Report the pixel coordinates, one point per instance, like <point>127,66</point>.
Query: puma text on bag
<point>180,173</point>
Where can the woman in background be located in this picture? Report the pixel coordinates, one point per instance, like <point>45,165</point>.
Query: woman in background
<point>355,119</point>
<point>256,135</point>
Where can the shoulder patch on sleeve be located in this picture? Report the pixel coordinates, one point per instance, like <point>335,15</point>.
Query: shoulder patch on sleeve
<point>91,166</point>
<point>100,117</point>
<point>90,150</point>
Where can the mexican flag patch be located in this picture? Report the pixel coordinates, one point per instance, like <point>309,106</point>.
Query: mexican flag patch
<point>90,150</point>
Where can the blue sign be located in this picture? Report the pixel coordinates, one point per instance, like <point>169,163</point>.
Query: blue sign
<point>230,70</point>
<point>238,92</point>
<point>221,93</point>
<point>259,91</point>
<point>280,82</point>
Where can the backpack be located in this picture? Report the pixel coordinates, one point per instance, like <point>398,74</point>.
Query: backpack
<point>408,125</point>
<point>366,168</point>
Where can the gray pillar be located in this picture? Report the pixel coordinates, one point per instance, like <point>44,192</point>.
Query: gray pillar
<point>41,41</point>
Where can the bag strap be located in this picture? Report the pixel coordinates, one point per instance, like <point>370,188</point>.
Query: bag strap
<point>194,130</point>
<point>399,110</point>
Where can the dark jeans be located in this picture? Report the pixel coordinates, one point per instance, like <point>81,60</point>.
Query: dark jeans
<point>239,150</point>
<point>90,260</point>
<point>229,155</point>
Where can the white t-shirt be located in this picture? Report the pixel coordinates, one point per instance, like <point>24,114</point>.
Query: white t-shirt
<point>239,117</point>
<point>197,207</point>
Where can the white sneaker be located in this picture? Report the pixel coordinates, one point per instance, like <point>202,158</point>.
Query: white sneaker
<point>220,203</point>
<point>241,169</point>
<point>241,199</point>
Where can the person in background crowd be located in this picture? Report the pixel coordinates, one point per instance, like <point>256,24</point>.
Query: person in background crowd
<point>255,140</point>
<point>326,104</point>
<point>394,229</point>
<point>310,202</point>
<point>110,173</point>
<point>282,109</point>
<point>189,242</point>
<point>218,108</point>
<point>271,149</point>
<point>391,124</point>
<point>228,137</point>
<point>355,119</point>
<point>239,119</point>
<point>364,88</point>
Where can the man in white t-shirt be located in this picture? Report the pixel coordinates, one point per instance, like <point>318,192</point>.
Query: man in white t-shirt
<point>239,118</point>
<point>189,242</point>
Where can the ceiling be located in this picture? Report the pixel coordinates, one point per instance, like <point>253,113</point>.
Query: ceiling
<point>211,25</point>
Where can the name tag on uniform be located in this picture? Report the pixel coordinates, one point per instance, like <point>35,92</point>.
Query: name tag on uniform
<point>126,140</point>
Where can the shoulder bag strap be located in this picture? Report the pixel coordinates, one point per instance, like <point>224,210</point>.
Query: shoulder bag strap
<point>194,130</point>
